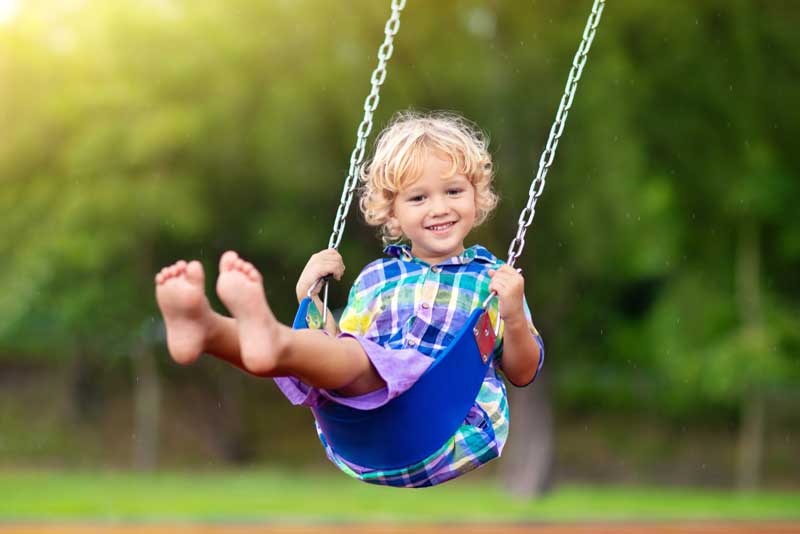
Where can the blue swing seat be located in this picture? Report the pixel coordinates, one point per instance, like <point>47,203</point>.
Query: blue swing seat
<point>414,425</point>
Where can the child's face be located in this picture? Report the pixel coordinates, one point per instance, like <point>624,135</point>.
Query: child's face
<point>436,213</point>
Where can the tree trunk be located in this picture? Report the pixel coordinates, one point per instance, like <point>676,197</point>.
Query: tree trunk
<point>751,443</point>
<point>229,429</point>
<point>527,468</point>
<point>147,408</point>
<point>83,402</point>
<point>146,383</point>
<point>752,426</point>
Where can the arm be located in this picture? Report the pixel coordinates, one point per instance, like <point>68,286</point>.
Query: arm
<point>323,263</point>
<point>521,351</point>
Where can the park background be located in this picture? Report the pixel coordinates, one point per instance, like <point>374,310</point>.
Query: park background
<point>662,265</point>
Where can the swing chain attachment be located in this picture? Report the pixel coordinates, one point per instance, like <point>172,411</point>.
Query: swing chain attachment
<point>362,134</point>
<point>546,159</point>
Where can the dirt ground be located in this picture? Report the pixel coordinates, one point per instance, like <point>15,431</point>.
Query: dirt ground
<point>695,527</point>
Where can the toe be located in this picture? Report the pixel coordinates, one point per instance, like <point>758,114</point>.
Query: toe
<point>227,260</point>
<point>194,272</point>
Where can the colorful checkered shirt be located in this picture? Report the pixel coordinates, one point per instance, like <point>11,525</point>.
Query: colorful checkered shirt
<point>401,302</point>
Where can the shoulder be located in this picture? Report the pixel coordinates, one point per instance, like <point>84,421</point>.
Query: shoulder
<point>378,272</point>
<point>482,258</point>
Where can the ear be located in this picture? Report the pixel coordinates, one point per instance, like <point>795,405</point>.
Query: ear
<point>393,224</point>
<point>390,217</point>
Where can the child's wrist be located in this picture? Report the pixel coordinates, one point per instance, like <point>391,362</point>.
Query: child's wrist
<point>516,320</point>
<point>302,290</point>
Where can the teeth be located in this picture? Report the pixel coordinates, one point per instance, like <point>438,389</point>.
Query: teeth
<point>440,226</point>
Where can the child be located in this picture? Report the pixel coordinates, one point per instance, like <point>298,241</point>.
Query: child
<point>429,183</point>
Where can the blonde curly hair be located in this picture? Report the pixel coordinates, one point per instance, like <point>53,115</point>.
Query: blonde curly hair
<point>400,154</point>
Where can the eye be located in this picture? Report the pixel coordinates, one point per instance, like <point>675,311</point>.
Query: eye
<point>455,191</point>
<point>416,198</point>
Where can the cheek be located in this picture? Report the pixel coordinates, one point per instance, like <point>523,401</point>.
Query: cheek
<point>472,208</point>
<point>403,219</point>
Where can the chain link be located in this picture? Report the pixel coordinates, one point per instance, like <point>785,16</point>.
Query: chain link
<point>362,134</point>
<point>365,127</point>
<point>546,159</point>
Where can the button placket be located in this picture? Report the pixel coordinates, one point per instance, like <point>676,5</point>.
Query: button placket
<point>415,327</point>
<point>428,297</point>
<point>424,310</point>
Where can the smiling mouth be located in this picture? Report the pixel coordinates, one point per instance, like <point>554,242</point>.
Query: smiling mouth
<point>440,227</point>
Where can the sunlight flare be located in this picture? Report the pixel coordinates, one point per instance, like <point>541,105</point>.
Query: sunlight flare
<point>8,10</point>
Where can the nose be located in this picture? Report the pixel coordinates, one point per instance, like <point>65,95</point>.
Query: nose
<point>439,206</point>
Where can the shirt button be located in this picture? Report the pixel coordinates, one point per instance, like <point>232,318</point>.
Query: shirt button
<point>412,343</point>
<point>425,305</point>
<point>436,269</point>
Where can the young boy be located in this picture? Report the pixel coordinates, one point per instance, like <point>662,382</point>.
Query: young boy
<point>429,183</point>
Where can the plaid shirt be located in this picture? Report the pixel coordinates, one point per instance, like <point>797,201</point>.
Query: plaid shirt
<point>401,302</point>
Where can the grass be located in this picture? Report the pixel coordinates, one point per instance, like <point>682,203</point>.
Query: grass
<point>285,496</point>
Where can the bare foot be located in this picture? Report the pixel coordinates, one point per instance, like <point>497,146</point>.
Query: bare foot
<point>180,293</point>
<point>240,287</point>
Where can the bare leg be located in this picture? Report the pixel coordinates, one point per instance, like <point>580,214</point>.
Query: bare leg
<point>270,348</point>
<point>192,326</point>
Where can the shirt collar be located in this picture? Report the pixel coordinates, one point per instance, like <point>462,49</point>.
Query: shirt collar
<point>473,253</point>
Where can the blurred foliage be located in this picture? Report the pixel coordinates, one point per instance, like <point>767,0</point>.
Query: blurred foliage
<point>139,132</point>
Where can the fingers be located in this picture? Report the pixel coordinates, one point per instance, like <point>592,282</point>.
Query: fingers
<point>506,281</point>
<point>328,262</point>
<point>323,263</point>
<point>506,272</point>
<point>502,288</point>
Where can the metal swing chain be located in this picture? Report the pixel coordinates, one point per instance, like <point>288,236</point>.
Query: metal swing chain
<point>364,128</point>
<point>546,159</point>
